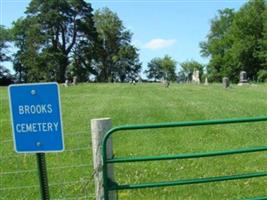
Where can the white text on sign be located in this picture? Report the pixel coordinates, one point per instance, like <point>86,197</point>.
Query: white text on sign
<point>38,126</point>
<point>35,109</point>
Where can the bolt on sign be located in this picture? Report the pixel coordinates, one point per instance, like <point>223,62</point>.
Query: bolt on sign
<point>36,117</point>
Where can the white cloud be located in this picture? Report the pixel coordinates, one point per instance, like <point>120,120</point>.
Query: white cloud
<point>159,43</point>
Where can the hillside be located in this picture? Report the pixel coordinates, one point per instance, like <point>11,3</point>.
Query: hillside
<point>70,172</point>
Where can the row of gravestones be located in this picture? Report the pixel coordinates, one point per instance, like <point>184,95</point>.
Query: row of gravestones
<point>68,82</point>
<point>226,83</point>
<point>243,80</point>
<point>196,79</point>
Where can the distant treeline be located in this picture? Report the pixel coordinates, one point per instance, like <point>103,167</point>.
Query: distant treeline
<point>58,40</point>
<point>237,41</point>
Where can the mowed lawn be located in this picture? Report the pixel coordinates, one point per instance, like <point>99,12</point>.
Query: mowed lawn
<point>71,174</point>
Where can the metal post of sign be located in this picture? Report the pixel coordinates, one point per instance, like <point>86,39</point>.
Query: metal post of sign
<point>44,189</point>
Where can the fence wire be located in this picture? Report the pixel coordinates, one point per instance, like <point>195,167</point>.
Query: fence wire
<point>70,173</point>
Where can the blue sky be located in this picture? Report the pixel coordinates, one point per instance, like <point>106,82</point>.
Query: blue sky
<point>173,27</point>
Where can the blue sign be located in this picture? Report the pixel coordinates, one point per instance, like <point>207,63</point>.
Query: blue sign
<point>36,117</point>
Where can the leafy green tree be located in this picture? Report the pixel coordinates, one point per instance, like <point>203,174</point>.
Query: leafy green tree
<point>126,63</point>
<point>181,77</point>
<point>263,42</point>
<point>27,38</point>
<point>161,68</point>
<point>48,35</point>
<point>84,62</point>
<point>262,75</point>
<point>169,66</point>
<point>117,59</point>
<point>4,38</point>
<point>237,42</point>
<point>154,70</point>
<point>247,31</point>
<point>5,76</point>
<point>218,46</point>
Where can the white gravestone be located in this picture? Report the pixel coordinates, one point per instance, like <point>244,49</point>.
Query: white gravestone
<point>206,81</point>
<point>74,82</point>
<point>243,78</point>
<point>195,76</point>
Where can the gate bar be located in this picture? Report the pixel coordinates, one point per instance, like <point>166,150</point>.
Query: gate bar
<point>186,155</point>
<point>188,181</point>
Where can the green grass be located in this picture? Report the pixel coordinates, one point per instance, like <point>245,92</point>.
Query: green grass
<point>70,172</point>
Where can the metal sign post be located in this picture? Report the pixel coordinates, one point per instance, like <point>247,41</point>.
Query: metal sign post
<point>36,123</point>
<point>44,189</point>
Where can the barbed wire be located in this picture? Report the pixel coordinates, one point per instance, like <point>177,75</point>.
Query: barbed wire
<point>28,155</point>
<point>65,134</point>
<point>6,141</point>
<point>81,181</point>
<point>50,185</point>
<point>19,187</point>
<point>49,169</point>
<point>74,198</point>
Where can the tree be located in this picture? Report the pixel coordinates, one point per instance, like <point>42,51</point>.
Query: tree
<point>48,35</point>
<point>169,67</point>
<point>5,76</point>
<point>126,63</point>
<point>236,42</point>
<point>181,77</point>
<point>84,63</point>
<point>161,68</point>
<point>247,31</point>
<point>3,44</point>
<point>154,70</point>
<point>117,58</point>
<point>27,63</point>
<point>188,68</point>
<point>263,45</point>
<point>218,46</point>
<point>262,75</point>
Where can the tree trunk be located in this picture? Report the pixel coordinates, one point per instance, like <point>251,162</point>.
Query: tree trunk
<point>62,70</point>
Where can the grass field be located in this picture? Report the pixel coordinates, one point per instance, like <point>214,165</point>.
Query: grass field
<point>71,174</point>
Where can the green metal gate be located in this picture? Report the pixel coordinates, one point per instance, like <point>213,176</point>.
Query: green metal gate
<point>109,185</point>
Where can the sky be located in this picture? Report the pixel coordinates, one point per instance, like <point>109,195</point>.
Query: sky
<point>159,27</point>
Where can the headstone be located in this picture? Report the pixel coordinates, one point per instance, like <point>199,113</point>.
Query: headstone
<point>226,82</point>
<point>74,81</point>
<point>132,82</point>
<point>166,83</point>
<point>195,76</point>
<point>243,78</point>
<point>206,81</point>
<point>67,83</point>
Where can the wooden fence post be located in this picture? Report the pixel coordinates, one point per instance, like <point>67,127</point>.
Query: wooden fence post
<point>98,129</point>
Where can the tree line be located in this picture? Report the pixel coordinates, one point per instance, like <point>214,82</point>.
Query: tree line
<point>237,41</point>
<point>57,40</point>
